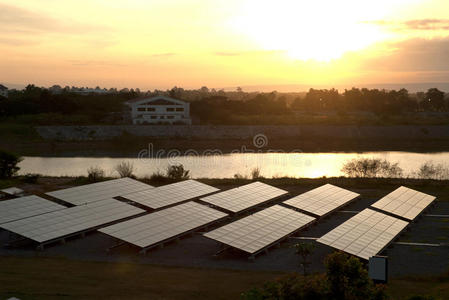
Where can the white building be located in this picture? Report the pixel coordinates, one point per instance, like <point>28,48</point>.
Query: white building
<point>159,110</point>
<point>3,91</point>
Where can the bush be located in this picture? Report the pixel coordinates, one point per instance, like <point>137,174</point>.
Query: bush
<point>177,172</point>
<point>239,176</point>
<point>348,279</point>
<point>8,164</point>
<point>95,174</point>
<point>158,176</point>
<point>345,278</point>
<point>371,167</point>
<point>421,298</point>
<point>291,286</point>
<point>429,170</point>
<point>125,169</point>
<point>255,173</point>
<point>31,178</point>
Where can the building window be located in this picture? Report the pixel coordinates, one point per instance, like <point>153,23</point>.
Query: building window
<point>153,117</point>
<point>162,117</point>
<point>170,117</point>
<point>170,109</point>
<point>151,109</point>
<point>179,109</point>
<point>141,109</point>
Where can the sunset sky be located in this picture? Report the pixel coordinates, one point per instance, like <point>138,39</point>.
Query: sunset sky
<point>160,44</point>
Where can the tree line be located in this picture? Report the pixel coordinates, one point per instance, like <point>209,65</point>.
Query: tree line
<point>372,100</point>
<point>219,106</point>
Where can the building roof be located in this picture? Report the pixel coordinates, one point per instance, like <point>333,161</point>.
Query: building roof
<point>158,100</point>
<point>3,88</point>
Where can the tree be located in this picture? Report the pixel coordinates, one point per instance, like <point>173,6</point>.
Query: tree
<point>304,250</point>
<point>348,279</point>
<point>8,164</point>
<point>371,167</point>
<point>433,100</point>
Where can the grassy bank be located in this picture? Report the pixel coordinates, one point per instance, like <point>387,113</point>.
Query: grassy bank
<point>28,144</point>
<point>376,186</point>
<point>21,137</point>
<point>53,278</point>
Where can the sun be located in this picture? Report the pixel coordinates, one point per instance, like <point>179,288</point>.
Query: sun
<point>320,30</point>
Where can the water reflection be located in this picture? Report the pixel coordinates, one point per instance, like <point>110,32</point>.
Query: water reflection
<point>310,165</point>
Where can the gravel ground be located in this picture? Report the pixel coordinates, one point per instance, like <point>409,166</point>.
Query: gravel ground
<point>197,251</point>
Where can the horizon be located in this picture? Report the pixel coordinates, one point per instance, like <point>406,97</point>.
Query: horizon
<point>280,88</point>
<point>161,44</point>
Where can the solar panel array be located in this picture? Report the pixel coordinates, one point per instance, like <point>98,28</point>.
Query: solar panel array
<point>159,226</point>
<point>322,200</point>
<point>257,231</point>
<point>99,191</point>
<point>25,207</point>
<point>364,235</point>
<point>404,202</point>
<point>245,196</point>
<point>57,224</point>
<point>171,193</point>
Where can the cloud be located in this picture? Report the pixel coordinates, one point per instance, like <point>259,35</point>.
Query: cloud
<point>413,55</point>
<point>21,21</point>
<point>413,25</point>
<point>16,42</point>
<point>244,53</point>
<point>163,54</point>
<point>428,24</point>
<point>94,63</point>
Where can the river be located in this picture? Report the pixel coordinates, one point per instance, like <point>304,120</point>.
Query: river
<point>310,165</point>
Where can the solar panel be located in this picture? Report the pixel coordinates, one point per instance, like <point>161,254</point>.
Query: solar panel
<point>162,225</point>
<point>404,202</point>
<point>260,230</point>
<point>322,200</point>
<point>245,196</point>
<point>24,207</point>
<point>71,220</point>
<point>13,191</point>
<point>171,193</point>
<point>364,235</point>
<point>99,191</point>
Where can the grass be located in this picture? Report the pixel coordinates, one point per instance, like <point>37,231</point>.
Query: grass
<point>55,278</point>
<point>6,183</point>
<point>377,187</point>
<point>436,286</point>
